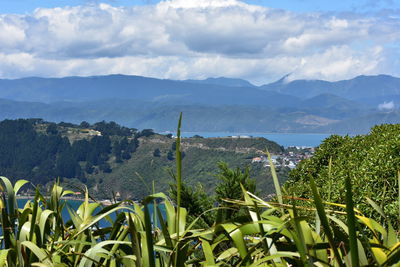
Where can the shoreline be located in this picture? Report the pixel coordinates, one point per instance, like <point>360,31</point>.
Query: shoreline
<point>105,202</point>
<point>252,134</point>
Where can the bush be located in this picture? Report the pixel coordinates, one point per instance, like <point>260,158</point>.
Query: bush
<point>370,161</point>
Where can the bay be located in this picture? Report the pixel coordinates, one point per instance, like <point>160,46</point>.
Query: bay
<point>74,205</point>
<point>283,139</point>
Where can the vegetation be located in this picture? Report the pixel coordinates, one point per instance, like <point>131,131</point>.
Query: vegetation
<point>236,143</point>
<point>371,162</point>
<point>270,233</point>
<point>229,186</point>
<point>39,157</point>
<point>133,178</point>
<point>40,151</point>
<point>111,159</point>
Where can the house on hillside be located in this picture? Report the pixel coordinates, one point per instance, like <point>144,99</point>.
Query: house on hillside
<point>256,160</point>
<point>91,132</point>
<point>291,165</point>
<point>275,160</point>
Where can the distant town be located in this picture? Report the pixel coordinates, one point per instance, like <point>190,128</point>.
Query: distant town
<point>290,158</point>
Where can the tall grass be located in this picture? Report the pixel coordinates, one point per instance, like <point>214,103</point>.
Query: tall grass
<point>273,234</point>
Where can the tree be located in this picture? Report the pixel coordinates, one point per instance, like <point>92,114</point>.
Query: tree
<point>52,129</point>
<point>133,145</point>
<point>124,143</point>
<point>170,155</point>
<point>93,157</point>
<point>80,149</point>
<point>112,128</point>
<point>35,121</point>
<point>146,132</point>
<point>196,201</point>
<point>101,143</point>
<point>117,151</point>
<point>89,167</point>
<point>156,152</point>
<point>126,155</point>
<point>229,187</point>
<point>66,124</point>
<point>45,171</point>
<point>67,166</point>
<point>230,181</point>
<point>84,124</point>
<point>105,167</point>
<point>173,146</point>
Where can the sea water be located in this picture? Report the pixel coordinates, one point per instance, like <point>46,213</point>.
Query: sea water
<point>74,205</point>
<point>283,139</point>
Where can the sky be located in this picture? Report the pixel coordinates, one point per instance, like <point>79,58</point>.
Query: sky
<point>257,40</point>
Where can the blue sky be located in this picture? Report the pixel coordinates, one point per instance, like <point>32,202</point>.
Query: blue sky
<point>26,6</point>
<point>256,40</point>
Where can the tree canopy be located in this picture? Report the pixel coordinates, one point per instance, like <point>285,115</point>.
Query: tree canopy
<point>371,161</point>
<point>42,156</point>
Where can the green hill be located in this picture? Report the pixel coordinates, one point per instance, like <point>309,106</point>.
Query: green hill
<point>109,158</point>
<point>133,178</point>
<point>371,161</point>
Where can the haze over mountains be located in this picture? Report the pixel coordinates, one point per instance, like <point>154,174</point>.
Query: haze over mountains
<point>214,104</point>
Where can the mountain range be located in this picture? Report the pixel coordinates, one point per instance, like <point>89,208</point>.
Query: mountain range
<point>213,104</point>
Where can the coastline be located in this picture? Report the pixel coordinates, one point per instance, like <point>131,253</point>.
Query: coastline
<point>283,139</point>
<point>105,202</point>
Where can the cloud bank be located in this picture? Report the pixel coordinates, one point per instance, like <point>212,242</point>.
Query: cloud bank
<point>181,39</point>
<point>386,106</point>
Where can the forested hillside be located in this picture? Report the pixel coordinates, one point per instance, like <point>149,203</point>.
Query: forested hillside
<point>42,151</point>
<point>155,157</point>
<point>110,158</point>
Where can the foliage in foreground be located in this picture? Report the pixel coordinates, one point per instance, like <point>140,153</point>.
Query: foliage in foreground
<point>274,235</point>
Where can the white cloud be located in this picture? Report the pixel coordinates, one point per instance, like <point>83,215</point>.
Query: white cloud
<point>202,3</point>
<point>386,105</point>
<point>182,39</point>
<point>338,62</point>
<point>11,32</point>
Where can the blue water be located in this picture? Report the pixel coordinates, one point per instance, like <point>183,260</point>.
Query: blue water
<point>74,205</point>
<point>283,139</point>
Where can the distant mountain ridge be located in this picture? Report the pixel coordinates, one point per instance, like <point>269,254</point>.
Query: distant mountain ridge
<point>78,89</point>
<point>224,81</point>
<point>213,104</point>
<point>356,88</point>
